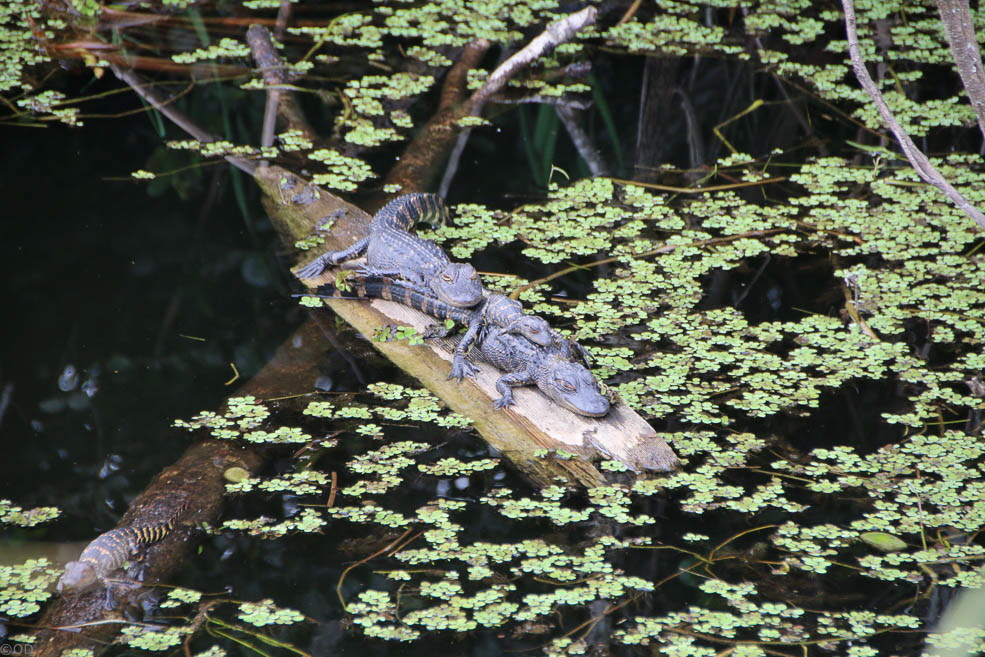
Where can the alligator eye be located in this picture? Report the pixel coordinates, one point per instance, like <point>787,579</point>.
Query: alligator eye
<point>535,331</point>
<point>446,278</point>
<point>474,275</point>
<point>564,386</point>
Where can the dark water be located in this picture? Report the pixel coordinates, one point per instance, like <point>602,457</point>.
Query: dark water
<point>148,294</point>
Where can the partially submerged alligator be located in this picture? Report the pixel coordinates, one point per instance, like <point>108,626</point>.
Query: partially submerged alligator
<point>112,550</point>
<point>391,250</point>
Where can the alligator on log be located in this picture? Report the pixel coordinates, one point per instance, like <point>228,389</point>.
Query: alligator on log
<point>534,423</point>
<point>522,345</point>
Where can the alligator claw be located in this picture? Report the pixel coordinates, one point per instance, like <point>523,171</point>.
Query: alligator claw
<point>432,331</point>
<point>503,402</point>
<point>462,368</point>
<point>314,268</point>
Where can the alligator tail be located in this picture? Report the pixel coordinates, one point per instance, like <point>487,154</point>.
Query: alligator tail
<point>409,210</point>
<point>381,287</point>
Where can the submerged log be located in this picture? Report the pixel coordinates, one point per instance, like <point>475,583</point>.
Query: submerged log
<point>533,424</point>
<point>195,483</point>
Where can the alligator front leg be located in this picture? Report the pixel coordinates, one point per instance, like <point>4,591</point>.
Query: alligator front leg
<point>415,279</point>
<point>505,385</point>
<point>332,258</point>
<point>460,366</point>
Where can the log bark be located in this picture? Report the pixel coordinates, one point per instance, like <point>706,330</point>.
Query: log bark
<point>959,26</point>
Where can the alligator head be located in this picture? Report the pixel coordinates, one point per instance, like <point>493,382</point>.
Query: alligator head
<point>78,575</point>
<point>536,329</point>
<point>458,285</point>
<point>571,385</point>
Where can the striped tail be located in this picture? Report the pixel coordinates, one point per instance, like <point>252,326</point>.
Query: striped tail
<point>405,212</point>
<point>381,287</point>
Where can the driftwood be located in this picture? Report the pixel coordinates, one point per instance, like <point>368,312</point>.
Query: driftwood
<point>533,424</point>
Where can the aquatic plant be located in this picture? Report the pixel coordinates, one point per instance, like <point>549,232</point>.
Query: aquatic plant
<point>897,280</point>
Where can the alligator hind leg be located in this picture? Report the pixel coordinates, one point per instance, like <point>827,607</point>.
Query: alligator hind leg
<point>505,385</point>
<point>330,258</point>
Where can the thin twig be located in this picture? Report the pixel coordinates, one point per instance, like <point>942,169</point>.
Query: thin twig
<point>667,248</point>
<point>628,16</point>
<point>699,190</point>
<point>453,159</point>
<point>179,118</point>
<point>390,546</point>
<point>335,489</point>
<point>927,172</point>
<point>283,16</point>
<point>583,143</point>
<point>555,34</point>
<point>8,391</point>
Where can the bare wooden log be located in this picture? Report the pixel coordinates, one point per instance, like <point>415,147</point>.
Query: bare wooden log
<point>533,424</point>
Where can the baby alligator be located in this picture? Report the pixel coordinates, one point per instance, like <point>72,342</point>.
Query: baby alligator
<point>391,250</point>
<point>552,369</point>
<point>496,311</point>
<point>109,552</point>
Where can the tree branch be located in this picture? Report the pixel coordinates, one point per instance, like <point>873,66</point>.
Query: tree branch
<point>960,30</point>
<point>163,105</point>
<point>280,101</point>
<point>917,159</point>
<point>554,35</point>
<point>431,145</point>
